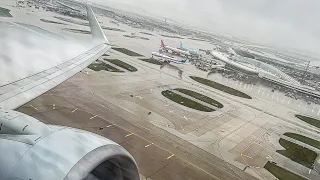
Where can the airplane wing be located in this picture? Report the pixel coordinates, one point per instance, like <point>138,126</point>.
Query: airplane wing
<point>17,93</point>
<point>34,150</point>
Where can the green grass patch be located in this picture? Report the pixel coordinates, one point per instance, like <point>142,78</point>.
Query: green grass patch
<point>147,33</point>
<point>280,173</point>
<point>151,60</point>
<point>5,12</point>
<point>52,22</point>
<point>185,101</point>
<point>99,66</point>
<point>112,29</point>
<point>197,39</point>
<point>77,31</point>
<point>169,36</point>
<point>220,87</point>
<point>123,65</point>
<point>72,21</point>
<point>297,153</point>
<point>304,139</point>
<point>136,37</point>
<point>126,51</point>
<point>87,24</point>
<point>200,97</point>
<point>309,120</point>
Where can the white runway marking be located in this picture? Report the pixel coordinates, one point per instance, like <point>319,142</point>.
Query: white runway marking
<point>140,97</point>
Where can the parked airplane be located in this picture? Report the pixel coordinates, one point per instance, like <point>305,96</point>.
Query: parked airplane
<point>34,150</point>
<point>191,51</point>
<point>165,58</point>
<point>174,50</point>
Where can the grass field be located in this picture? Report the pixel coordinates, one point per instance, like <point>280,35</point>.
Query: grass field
<point>122,64</point>
<point>147,33</point>
<point>52,22</point>
<point>136,37</point>
<point>280,173</point>
<point>169,36</point>
<point>201,97</point>
<point>304,139</point>
<point>72,21</point>
<point>220,87</point>
<point>5,12</point>
<point>126,51</point>
<point>297,153</point>
<point>309,120</point>
<point>112,29</point>
<point>99,66</point>
<point>151,60</point>
<point>87,24</point>
<point>77,31</point>
<point>185,101</point>
<point>197,39</point>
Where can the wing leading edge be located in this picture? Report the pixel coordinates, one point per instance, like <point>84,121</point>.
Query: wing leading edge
<point>15,94</point>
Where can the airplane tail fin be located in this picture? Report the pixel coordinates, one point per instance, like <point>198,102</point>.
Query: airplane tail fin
<point>96,31</point>
<point>162,43</point>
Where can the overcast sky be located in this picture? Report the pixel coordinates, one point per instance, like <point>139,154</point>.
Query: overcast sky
<point>288,23</point>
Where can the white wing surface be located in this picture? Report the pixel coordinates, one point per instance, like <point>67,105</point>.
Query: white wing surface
<point>34,150</point>
<point>16,93</point>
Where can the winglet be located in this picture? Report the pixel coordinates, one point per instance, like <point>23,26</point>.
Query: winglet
<point>96,31</point>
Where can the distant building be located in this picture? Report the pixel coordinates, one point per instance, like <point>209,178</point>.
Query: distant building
<point>264,71</point>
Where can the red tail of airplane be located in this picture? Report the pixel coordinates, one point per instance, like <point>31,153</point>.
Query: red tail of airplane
<point>162,44</point>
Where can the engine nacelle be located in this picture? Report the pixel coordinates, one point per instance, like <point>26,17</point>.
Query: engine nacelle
<point>16,123</point>
<point>33,150</point>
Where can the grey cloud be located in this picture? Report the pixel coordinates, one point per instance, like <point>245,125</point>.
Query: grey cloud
<point>287,23</point>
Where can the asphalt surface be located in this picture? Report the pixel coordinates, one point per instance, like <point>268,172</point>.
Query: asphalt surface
<point>159,155</point>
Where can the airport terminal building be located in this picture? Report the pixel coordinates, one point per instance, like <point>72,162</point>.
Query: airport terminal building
<point>264,71</point>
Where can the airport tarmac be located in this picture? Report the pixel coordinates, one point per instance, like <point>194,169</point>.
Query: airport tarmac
<point>156,158</point>
<point>131,126</point>
<point>173,142</point>
<point>218,145</point>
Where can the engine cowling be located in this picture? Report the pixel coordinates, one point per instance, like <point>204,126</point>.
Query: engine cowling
<point>41,151</point>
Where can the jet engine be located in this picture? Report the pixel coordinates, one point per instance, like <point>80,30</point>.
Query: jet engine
<point>32,150</point>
